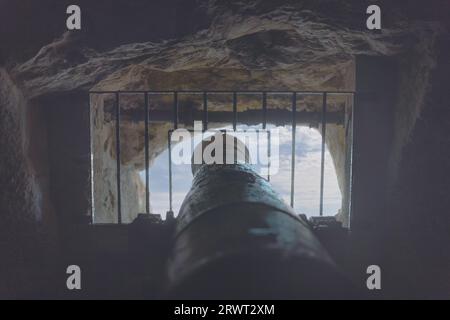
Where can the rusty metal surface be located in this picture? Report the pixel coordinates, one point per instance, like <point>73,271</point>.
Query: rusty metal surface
<point>244,230</point>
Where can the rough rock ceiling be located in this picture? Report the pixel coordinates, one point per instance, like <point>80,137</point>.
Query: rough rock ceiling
<point>248,45</point>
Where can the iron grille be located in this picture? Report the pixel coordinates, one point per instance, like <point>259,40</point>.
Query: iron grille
<point>206,116</point>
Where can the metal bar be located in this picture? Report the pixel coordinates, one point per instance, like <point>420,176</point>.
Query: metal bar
<point>119,200</point>
<point>147,160</point>
<point>169,148</point>
<point>251,117</point>
<point>269,154</point>
<point>175,110</point>
<point>322,161</point>
<point>91,162</point>
<point>175,126</point>
<point>350,159</point>
<point>226,91</point>
<point>349,117</point>
<point>264,109</point>
<point>234,110</point>
<point>225,130</point>
<point>205,111</point>
<point>294,124</point>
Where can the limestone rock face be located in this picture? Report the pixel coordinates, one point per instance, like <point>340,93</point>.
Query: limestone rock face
<point>247,45</point>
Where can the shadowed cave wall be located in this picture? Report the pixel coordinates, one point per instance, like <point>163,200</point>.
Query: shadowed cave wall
<point>283,45</point>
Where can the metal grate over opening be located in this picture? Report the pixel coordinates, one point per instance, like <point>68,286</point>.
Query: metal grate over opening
<point>263,116</point>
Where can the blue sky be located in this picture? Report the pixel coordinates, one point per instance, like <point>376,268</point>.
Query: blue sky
<point>307,176</point>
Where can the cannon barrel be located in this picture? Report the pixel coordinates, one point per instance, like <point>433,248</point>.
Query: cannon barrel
<point>235,238</point>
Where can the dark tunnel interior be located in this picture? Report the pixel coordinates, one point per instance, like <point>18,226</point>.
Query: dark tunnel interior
<point>351,115</point>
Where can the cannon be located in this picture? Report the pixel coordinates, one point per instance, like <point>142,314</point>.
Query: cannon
<point>235,238</point>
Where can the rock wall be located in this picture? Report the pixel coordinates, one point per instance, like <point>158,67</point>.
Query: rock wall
<point>105,167</point>
<point>415,71</point>
<point>27,227</point>
<point>419,221</point>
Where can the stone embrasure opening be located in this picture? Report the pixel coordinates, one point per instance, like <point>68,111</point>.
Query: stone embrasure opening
<point>132,149</point>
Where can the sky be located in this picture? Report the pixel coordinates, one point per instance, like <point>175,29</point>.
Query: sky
<point>307,175</point>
